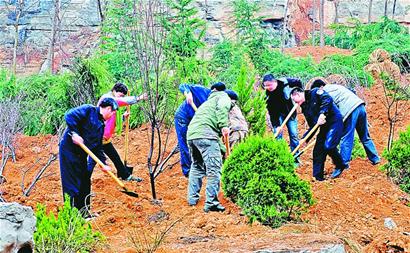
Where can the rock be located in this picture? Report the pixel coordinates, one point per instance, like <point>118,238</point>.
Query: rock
<point>17,225</point>
<point>389,223</point>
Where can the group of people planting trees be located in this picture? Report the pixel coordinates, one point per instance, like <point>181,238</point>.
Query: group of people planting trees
<point>209,123</point>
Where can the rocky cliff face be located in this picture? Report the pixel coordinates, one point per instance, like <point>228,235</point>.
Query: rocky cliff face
<point>80,21</point>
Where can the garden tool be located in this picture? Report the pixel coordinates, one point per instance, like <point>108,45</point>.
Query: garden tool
<point>98,161</point>
<point>228,146</point>
<point>305,149</point>
<point>304,139</point>
<point>127,129</point>
<point>286,120</point>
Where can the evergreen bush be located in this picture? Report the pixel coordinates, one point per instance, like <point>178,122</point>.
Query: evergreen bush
<point>398,161</point>
<point>69,232</point>
<point>259,176</point>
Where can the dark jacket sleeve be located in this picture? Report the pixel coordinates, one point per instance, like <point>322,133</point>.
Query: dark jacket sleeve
<point>75,117</point>
<point>325,102</point>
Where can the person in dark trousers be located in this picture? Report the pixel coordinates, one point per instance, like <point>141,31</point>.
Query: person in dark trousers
<point>118,93</point>
<point>354,116</point>
<point>318,108</point>
<point>85,124</point>
<point>279,105</point>
<point>204,139</point>
<point>197,95</point>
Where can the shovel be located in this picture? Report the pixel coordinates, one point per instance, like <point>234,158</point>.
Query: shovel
<point>95,158</point>
<point>227,145</point>
<point>127,129</point>
<point>305,149</point>
<point>286,120</point>
<point>304,139</point>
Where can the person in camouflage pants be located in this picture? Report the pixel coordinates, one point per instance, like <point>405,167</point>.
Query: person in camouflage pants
<point>204,131</point>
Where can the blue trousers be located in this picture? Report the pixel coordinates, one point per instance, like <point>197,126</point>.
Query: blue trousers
<point>326,144</point>
<point>181,128</point>
<point>357,120</point>
<point>292,126</point>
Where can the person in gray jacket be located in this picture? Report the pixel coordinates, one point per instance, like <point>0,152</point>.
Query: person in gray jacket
<point>354,116</point>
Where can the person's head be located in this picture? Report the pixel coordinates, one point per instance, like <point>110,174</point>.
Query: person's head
<point>318,83</point>
<point>232,95</point>
<point>269,82</point>
<point>119,90</point>
<point>219,86</point>
<point>298,95</point>
<point>108,107</point>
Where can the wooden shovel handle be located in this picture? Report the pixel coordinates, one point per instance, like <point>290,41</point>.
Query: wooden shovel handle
<point>304,139</point>
<point>286,120</point>
<point>227,146</point>
<point>127,129</point>
<point>98,161</point>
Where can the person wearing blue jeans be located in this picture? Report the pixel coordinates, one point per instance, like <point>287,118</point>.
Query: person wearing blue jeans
<point>319,108</point>
<point>197,95</point>
<point>354,116</point>
<point>279,105</point>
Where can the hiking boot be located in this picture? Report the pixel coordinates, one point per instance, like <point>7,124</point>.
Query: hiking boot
<point>133,178</point>
<point>217,208</point>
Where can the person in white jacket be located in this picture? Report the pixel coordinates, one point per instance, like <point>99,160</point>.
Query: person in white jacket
<point>354,116</point>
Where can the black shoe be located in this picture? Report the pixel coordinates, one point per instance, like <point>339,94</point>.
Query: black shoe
<point>217,208</point>
<point>376,162</point>
<point>319,178</point>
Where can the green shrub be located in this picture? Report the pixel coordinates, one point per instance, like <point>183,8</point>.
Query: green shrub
<point>69,232</point>
<point>251,102</point>
<point>7,84</point>
<point>45,102</point>
<point>398,161</point>
<point>259,176</point>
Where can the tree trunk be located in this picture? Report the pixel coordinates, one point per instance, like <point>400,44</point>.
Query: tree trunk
<point>394,9</point>
<point>314,23</point>
<point>385,8</point>
<point>56,22</point>
<point>19,8</point>
<point>336,3</point>
<point>369,16</point>
<point>321,17</point>
<point>285,21</point>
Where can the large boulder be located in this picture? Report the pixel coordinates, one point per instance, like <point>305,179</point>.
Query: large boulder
<point>17,225</point>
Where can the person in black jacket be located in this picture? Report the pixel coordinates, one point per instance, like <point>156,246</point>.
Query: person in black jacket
<point>319,108</point>
<point>85,125</point>
<point>279,105</point>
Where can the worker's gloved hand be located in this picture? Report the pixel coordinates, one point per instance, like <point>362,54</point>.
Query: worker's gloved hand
<point>125,115</point>
<point>106,168</point>
<point>321,120</point>
<point>77,139</point>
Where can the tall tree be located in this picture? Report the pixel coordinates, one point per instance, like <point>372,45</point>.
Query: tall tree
<point>369,16</point>
<point>385,7</point>
<point>394,8</point>
<point>314,22</point>
<point>321,17</point>
<point>284,30</point>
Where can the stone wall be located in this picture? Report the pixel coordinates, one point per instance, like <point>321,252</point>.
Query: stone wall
<point>81,21</point>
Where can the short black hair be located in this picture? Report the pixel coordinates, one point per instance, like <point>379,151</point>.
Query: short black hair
<point>296,89</point>
<point>317,84</point>
<point>109,102</point>
<point>219,86</point>
<point>267,77</point>
<point>120,87</point>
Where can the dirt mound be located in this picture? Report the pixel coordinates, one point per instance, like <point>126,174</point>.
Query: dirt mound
<point>317,53</point>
